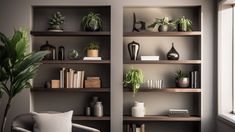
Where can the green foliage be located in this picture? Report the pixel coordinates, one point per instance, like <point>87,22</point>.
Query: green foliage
<point>56,19</point>
<point>184,22</point>
<point>180,74</point>
<point>93,45</point>
<point>135,78</point>
<point>90,20</point>
<point>163,21</point>
<point>17,67</point>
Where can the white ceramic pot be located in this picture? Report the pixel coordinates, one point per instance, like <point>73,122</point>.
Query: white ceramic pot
<point>138,110</point>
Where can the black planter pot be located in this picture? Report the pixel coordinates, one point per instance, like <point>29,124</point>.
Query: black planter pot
<point>173,54</point>
<point>163,28</point>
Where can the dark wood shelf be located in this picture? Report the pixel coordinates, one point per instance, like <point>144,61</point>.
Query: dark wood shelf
<point>156,34</point>
<point>76,62</point>
<point>170,90</point>
<point>163,62</point>
<point>70,90</point>
<point>90,118</point>
<point>69,33</point>
<point>161,118</point>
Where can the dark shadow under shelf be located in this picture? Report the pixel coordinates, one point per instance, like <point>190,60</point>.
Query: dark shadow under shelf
<point>90,118</point>
<point>70,33</point>
<point>170,90</point>
<point>163,62</point>
<point>76,62</point>
<point>70,90</point>
<point>161,118</point>
<point>158,34</point>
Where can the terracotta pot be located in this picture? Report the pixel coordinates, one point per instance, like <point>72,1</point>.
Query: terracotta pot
<point>92,53</point>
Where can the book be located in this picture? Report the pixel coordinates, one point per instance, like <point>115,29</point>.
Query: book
<point>66,78</point>
<point>194,79</point>
<point>133,127</point>
<point>92,58</point>
<point>82,78</point>
<point>142,126</point>
<point>62,78</point>
<point>150,58</point>
<point>138,129</point>
<point>75,81</point>
<point>178,112</point>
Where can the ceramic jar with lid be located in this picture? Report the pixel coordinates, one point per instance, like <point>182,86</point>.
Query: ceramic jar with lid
<point>138,110</point>
<point>98,109</point>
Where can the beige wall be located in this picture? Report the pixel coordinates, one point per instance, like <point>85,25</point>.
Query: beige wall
<point>15,13</point>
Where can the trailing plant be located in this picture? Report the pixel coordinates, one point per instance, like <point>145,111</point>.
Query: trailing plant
<point>91,22</point>
<point>134,77</point>
<point>184,24</point>
<point>180,74</point>
<point>56,20</point>
<point>16,66</point>
<point>93,45</point>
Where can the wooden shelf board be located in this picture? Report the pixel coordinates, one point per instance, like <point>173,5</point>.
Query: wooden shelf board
<point>156,34</point>
<point>161,118</point>
<point>70,89</point>
<point>163,62</point>
<point>69,33</point>
<point>173,90</point>
<point>90,118</point>
<point>76,62</point>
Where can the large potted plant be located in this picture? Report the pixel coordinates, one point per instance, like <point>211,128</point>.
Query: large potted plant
<point>134,78</point>
<point>181,79</point>
<point>93,49</point>
<point>162,24</point>
<point>184,24</point>
<point>55,22</point>
<point>91,22</point>
<point>16,66</point>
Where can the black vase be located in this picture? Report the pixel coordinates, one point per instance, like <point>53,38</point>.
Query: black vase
<point>51,49</point>
<point>173,54</point>
<point>61,55</point>
<point>133,49</point>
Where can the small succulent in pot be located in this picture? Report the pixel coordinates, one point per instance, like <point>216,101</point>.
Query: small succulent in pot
<point>184,24</point>
<point>55,22</point>
<point>91,22</point>
<point>181,79</point>
<point>163,24</point>
<point>93,49</point>
<point>134,78</point>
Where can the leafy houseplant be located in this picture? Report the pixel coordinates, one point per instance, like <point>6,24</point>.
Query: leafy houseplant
<point>134,78</point>
<point>184,24</point>
<point>181,79</point>
<point>56,21</point>
<point>93,49</point>
<point>16,67</point>
<point>91,22</point>
<point>163,24</point>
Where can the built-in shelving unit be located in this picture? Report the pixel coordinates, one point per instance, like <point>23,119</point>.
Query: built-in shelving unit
<point>72,37</point>
<point>159,101</point>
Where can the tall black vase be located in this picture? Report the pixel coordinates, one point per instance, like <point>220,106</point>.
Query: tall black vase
<point>173,54</point>
<point>133,49</point>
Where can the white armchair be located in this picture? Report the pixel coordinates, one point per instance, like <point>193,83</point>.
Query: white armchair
<point>25,123</point>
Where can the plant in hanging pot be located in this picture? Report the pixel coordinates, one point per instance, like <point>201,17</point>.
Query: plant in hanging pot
<point>93,49</point>
<point>162,24</point>
<point>134,78</point>
<point>17,67</point>
<point>91,22</point>
<point>184,24</point>
<point>181,79</point>
<point>56,22</point>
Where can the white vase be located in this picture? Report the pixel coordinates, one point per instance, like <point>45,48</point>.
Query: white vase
<point>138,110</point>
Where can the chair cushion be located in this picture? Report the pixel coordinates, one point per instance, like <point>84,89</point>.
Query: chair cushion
<point>56,122</point>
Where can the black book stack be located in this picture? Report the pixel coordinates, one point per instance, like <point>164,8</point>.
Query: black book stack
<point>135,128</point>
<point>194,79</point>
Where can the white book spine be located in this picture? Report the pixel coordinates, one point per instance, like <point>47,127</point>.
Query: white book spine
<point>71,78</point>
<point>75,80</point>
<point>79,79</point>
<point>62,78</point>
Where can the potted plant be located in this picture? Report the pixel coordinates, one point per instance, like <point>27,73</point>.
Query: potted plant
<point>163,24</point>
<point>134,78</point>
<point>181,79</point>
<point>55,22</point>
<point>91,22</point>
<point>93,49</point>
<point>184,24</point>
<point>17,67</point>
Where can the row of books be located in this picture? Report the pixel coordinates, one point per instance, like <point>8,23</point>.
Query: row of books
<point>70,78</point>
<point>194,76</point>
<point>135,128</point>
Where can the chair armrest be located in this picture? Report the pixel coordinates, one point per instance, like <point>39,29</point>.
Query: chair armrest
<point>85,128</point>
<point>19,129</point>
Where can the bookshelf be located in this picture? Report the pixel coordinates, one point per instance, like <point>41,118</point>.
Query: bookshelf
<point>159,101</point>
<point>76,99</point>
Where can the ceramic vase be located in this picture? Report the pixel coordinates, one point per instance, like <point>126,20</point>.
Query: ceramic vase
<point>173,54</point>
<point>133,49</point>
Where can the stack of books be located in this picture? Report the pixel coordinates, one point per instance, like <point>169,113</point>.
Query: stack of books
<point>194,75</point>
<point>135,128</point>
<point>178,113</point>
<point>92,58</point>
<point>70,78</point>
<point>149,58</point>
